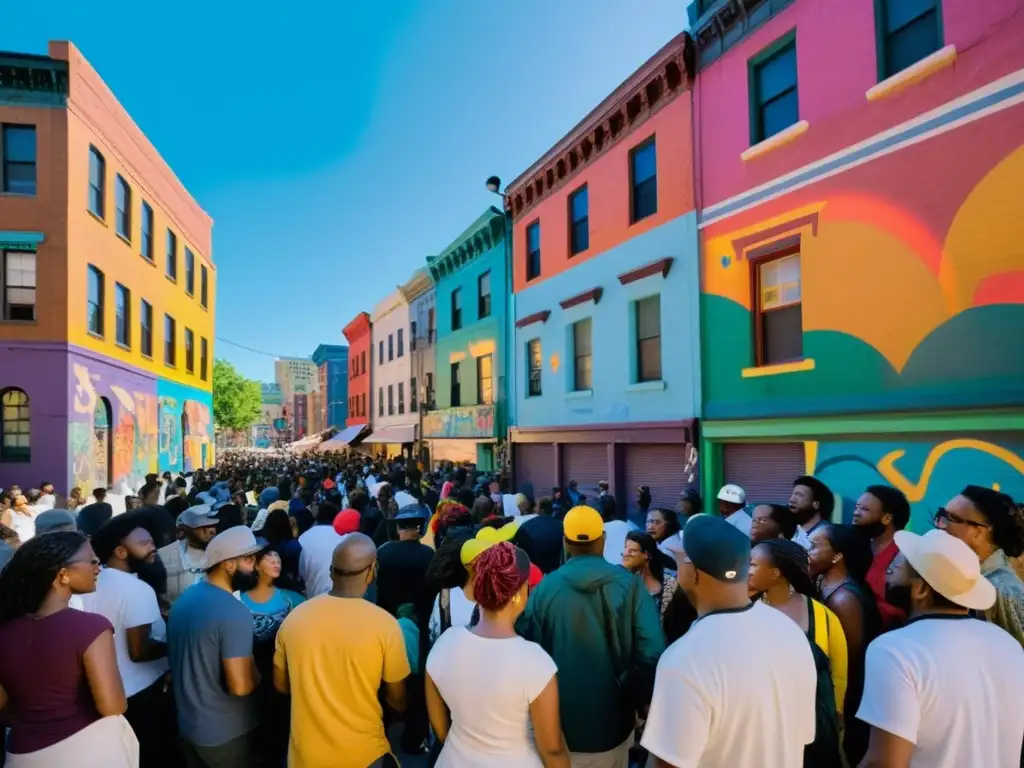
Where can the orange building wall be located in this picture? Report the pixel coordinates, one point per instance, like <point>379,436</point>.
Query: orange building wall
<point>44,212</point>
<point>96,118</point>
<point>608,187</point>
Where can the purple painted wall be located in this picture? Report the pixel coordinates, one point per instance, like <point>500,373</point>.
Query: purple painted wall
<point>40,370</point>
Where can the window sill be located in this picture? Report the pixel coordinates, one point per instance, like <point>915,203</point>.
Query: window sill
<point>926,67</point>
<point>579,394</point>
<point>124,347</point>
<point>146,357</point>
<point>126,240</point>
<point>148,260</point>
<point>97,336</point>
<point>171,279</point>
<point>15,460</point>
<point>774,142</point>
<point>647,386</point>
<point>28,195</point>
<point>19,322</point>
<point>97,217</point>
<point>807,364</point>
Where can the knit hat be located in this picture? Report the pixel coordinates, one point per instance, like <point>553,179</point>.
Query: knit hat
<point>717,548</point>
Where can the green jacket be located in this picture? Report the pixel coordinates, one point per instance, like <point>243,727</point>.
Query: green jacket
<point>601,627</point>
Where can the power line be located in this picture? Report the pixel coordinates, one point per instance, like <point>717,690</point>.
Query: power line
<point>250,349</point>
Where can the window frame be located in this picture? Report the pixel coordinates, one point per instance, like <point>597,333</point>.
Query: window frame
<point>122,316</point>
<point>6,163</point>
<point>638,342</point>
<point>190,272</point>
<point>574,246</point>
<point>756,263</point>
<point>146,232</point>
<point>400,334</point>
<point>413,396</point>
<point>455,385</point>
<point>204,358</point>
<point>122,208</point>
<point>456,309</point>
<point>5,303</point>
<point>636,149</point>
<point>190,351</point>
<point>758,60</point>
<point>882,35</point>
<point>412,335</point>
<point>391,399</point>
<point>170,341</point>
<point>530,370</point>
<point>480,379</point>
<point>577,385</point>
<point>97,194</point>
<point>145,329</point>
<point>99,304</point>
<point>15,454</point>
<point>533,226</point>
<point>391,347</point>
<point>171,255</point>
<point>401,398</point>
<point>483,300</point>
<point>204,286</point>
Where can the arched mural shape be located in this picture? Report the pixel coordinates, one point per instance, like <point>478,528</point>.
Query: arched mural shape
<point>104,447</point>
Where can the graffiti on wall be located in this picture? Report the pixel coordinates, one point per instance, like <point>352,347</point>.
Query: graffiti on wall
<point>929,472</point>
<point>186,431</point>
<point>473,421</point>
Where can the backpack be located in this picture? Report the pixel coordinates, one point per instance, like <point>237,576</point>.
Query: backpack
<point>824,751</point>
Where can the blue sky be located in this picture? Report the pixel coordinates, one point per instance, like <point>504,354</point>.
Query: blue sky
<point>340,143</point>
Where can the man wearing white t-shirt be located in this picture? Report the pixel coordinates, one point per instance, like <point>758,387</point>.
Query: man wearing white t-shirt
<point>716,704</point>
<point>944,690</point>
<point>318,544</point>
<point>140,634</point>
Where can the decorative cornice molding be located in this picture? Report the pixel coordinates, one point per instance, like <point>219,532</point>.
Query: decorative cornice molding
<point>482,235</point>
<point>418,284</point>
<point>594,295</point>
<point>742,244</point>
<point>665,76</point>
<point>536,317</point>
<point>661,265</point>
<point>356,327</point>
<point>719,25</point>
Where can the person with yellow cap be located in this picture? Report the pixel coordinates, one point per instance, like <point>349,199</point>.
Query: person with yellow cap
<point>600,626</point>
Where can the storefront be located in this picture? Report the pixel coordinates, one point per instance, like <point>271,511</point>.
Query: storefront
<point>389,442</point>
<point>462,435</point>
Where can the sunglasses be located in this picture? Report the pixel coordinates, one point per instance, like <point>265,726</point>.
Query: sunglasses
<point>943,517</point>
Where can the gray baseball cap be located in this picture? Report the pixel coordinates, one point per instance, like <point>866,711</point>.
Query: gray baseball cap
<point>197,517</point>
<point>55,518</point>
<point>237,541</point>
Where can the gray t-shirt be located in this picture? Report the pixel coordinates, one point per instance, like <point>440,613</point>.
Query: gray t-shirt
<point>207,625</point>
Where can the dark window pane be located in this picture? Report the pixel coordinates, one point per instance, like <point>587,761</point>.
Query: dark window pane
<point>777,74</point>
<point>645,199</point>
<point>123,200</point>
<point>899,13</point>
<point>95,301</point>
<point>912,43</point>
<point>645,164</point>
<point>533,236</point>
<point>97,181</point>
<point>779,114</point>
<point>782,335</point>
<point>580,204</point>
<point>581,235</point>
<point>147,230</point>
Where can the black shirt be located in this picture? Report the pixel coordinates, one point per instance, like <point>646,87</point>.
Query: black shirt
<point>541,539</point>
<point>402,574</point>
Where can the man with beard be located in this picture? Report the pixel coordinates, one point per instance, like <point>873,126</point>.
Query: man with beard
<point>126,550</point>
<point>183,559</point>
<point>811,503</point>
<point>880,512</point>
<point>210,640</point>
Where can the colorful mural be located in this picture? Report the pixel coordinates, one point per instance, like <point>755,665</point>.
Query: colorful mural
<point>186,427</point>
<point>473,421</point>
<point>911,272</point>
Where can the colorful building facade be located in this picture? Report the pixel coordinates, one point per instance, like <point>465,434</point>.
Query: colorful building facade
<point>359,337</point>
<point>110,377</point>
<point>607,382</point>
<point>421,295</point>
<point>393,419</point>
<point>472,302</point>
<point>332,364</point>
<point>860,222</point>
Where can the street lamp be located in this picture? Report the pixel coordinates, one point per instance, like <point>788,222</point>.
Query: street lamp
<point>494,185</point>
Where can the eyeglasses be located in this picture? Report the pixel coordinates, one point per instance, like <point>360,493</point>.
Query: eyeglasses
<point>94,561</point>
<point>943,517</point>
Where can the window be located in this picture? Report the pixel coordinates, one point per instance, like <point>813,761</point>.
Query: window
<point>122,315</point>
<point>95,301</point>
<point>643,170</point>
<point>190,351</point>
<point>362,406</point>
<point>146,328</point>
<point>19,281</point>
<point>533,251</point>
<point>431,328</point>
<point>648,339</point>
<point>582,354</point>
<point>456,393</point>
<point>779,325</point>
<point>204,287</point>
<point>430,388</point>
<point>483,297</point>
<point>773,92</point>
<point>413,396</point>
<point>97,182</point>
<point>908,31</point>
<point>391,399</point>
<point>391,347</point>
<point>456,309</point>
<point>401,342</point>
<point>534,362</point>
<point>380,352</point>
<point>190,272</point>
<point>147,230</point>
<point>362,360</point>
<point>172,256</point>
<point>380,401</point>
<point>19,153</point>
<point>579,220</point>
<point>401,397</point>
<point>485,380</point>
<point>123,204</point>
<point>204,359</point>
<point>412,336</point>
<point>170,341</point>
<point>15,426</point>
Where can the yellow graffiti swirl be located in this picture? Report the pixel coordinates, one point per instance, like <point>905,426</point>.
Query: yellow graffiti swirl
<point>916,491</point>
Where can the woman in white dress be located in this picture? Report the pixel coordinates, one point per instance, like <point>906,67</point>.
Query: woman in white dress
<point>492,696</point>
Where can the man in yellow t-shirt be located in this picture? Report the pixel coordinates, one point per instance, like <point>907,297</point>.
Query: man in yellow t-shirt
<point>333,654</point>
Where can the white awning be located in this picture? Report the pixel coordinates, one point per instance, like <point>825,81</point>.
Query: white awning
<point>341,440</point>
<point>395,435</point>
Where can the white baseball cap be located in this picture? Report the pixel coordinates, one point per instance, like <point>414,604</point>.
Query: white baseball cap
<point>948,566</point>
<point>733,494</point>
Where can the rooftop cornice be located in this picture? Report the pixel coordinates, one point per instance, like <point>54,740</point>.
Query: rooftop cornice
<point>357,326</point>
<point>665,76</point>
<point>482,235</point>
<point>417,285</point>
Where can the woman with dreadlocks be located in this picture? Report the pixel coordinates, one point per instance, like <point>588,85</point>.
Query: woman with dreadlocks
<point>60,688</point>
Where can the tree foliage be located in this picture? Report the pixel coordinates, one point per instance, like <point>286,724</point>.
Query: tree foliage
<point>236,399</point>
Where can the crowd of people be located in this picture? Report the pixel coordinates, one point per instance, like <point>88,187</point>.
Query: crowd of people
<point>336,611</point>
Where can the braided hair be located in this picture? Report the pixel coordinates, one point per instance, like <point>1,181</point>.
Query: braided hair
<point>793,563</point>
<point>28,577</point>
<point>446,570</point>
<point>499,576</point>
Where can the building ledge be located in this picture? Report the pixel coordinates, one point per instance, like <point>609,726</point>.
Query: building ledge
<point>774,142</point>
<point>579,394</point>
<point>807,364</point>
<point>20,240</point>
<point>926,67</point>
<point>536,317</point>
<point>661,266</point>
<point>647,386</point>
<point>594,295</point>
